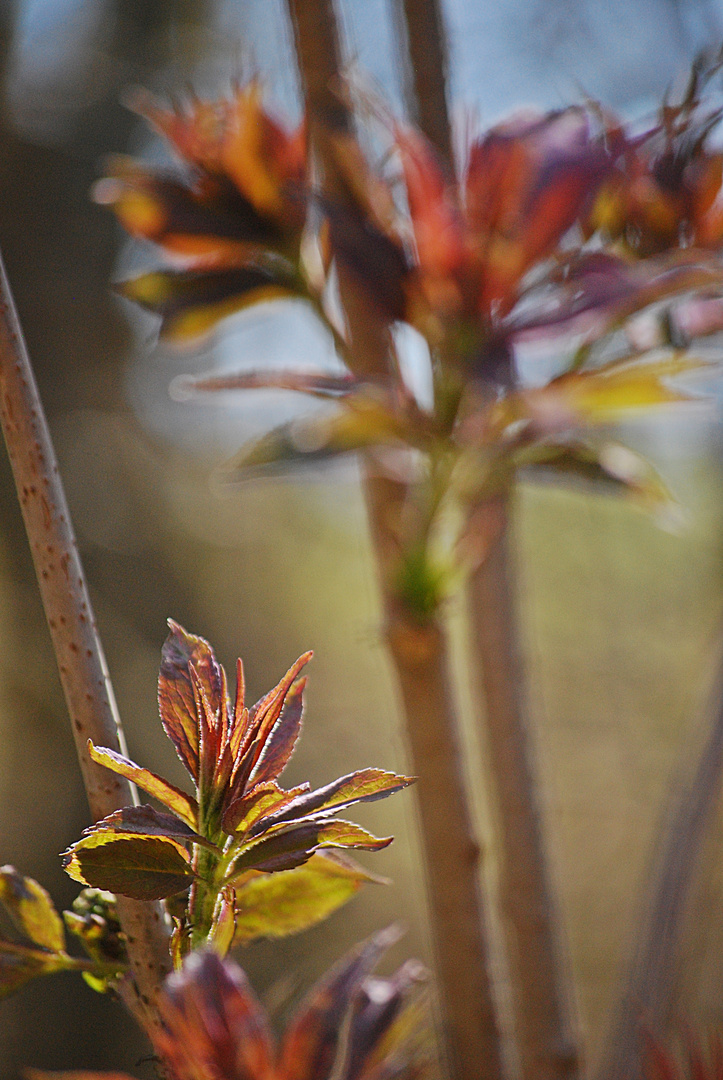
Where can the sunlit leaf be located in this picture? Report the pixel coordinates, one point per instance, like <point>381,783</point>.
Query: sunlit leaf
<point>172,797</point>
<point>223,924</point>
<point>275,905</point>
<point>595,396</point>
<point>142,867</point>
<point>281,740</point>
<point>366,785</point>
<point>176,699</point>
<point>210,223</point>
<point>31,909</point>
<point>150,822</point>
<point>243,813</point>
<point>292,844</point>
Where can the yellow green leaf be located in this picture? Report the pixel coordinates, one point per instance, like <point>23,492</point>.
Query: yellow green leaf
<point>31,909</point>
<point>19,964</point>
<point>142,867</point>
<point>275,905</point>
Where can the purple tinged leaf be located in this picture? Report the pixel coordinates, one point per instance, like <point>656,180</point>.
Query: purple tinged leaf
<point>374,1013</point>
<point>245,811</point>
<point>292,844</point>
<point>311,1045</point>
<point>31,910</point>
<point>190,303</point>
<point>147,820</point>
<point>366,785</point>
<point>142,867</point>
<point>172,797</point>
<point>279,745</point>
<point>212,1023</point>
<point>176,699</point>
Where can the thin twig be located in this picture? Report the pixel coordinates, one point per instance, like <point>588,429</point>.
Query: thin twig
<point>648,993</point>
<point>83,671</point>
<point>544,1028</point>
<point>419,652</point>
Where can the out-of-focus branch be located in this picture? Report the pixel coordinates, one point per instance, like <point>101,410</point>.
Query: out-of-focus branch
<point>82,666</point>
<point>648,992</point>
<point>422,26</point>
<point>419,652</point>
<point>540,998</point>
<point>544,1029</point>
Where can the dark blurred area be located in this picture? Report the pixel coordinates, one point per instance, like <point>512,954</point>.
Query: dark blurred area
<point>621,618</point>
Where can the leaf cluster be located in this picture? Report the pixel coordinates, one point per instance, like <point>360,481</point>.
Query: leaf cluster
<point>351,1026</point>
<point>568,231</point>
<point>225,844</point>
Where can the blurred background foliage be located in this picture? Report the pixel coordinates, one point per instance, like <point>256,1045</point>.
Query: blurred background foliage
<point>621,619</point>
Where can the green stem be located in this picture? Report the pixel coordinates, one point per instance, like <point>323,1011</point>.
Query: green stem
<point>204,895</point>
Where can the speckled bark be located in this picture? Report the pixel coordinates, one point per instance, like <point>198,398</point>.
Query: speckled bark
<point>83,671</point>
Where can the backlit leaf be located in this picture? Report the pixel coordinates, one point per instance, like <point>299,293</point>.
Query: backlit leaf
<point>31,909</point>
<point>210,223</point>
<point>243,813</point>
<point>291,844</point>
<point>275,905</point>
<point>18,965</point>
<point>366,785</point>
<point>279,744</point>
<point>142,867</point>
<point>172,797</point>
<point>213,1025</point>
<point>176,698</point>
<point>151,822</point>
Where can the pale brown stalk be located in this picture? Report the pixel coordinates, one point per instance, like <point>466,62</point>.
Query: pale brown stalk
<point>418,651</point>
<point>649,988</point>
<point>541,1003</point>
<point>83,671</point>
<point>545,1040</point>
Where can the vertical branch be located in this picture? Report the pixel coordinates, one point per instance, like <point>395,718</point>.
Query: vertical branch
<point>546,1047</point>
<point>426,71</point>
<point>418,651</point>
<point>459,931</point>
<point>647,996</point>
<point>541,1002</point>
<point>82,666</point>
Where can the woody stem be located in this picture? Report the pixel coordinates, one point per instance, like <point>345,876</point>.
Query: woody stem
<point>81,661</point>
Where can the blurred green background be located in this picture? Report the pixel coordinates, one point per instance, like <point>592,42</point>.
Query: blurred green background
<point>620,619</point>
